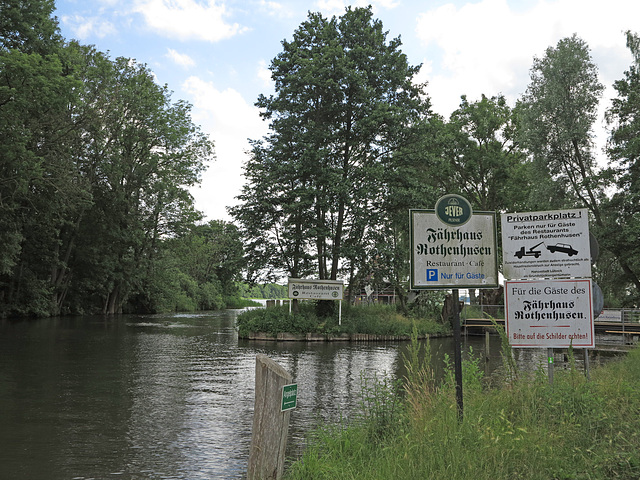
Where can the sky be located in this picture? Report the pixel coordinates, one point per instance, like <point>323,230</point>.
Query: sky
<point>215,54</point>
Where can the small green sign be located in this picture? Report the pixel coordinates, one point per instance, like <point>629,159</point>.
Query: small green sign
<point>453,210</point>
<point>289,396</point>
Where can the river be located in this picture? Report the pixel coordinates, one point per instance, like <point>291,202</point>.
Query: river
<point>166,396</point>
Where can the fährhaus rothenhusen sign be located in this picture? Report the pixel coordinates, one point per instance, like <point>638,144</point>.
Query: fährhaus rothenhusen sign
<point>445,256</point>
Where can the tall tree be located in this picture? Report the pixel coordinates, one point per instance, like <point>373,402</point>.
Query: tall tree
<point>557,115</point>
<point>143,153</point>
<point>622,234</point>
<point>344,103</point>
<point>96,161</point>
<point>558,112</point>
<point>38,182</point>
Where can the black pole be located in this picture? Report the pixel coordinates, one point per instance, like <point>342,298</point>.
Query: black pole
<point>457,340</point>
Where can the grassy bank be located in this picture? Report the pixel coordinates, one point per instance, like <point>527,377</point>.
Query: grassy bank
<point>374,320</point>
<point>522,428</point>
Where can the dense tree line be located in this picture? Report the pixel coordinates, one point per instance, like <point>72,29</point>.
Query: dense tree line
<point>267,291</point>
<point>96,160</point>
<point>354,144</point>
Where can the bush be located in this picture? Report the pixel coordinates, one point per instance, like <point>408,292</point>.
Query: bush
<point>276,320</point>
<point>373,320</point>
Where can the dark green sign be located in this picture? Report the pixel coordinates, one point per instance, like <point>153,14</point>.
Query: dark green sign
<point>289,396</point>
<point>453,210</point>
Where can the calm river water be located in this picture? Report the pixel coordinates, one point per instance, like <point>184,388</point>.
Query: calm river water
<point>164,396</point>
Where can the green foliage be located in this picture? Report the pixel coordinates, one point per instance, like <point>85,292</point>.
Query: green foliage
<point>96,164</point>
<point>381,408</point>
<point>622,229</point>
<point>557,116</point>
<point>480,154</point>
<point>265,290</point>
<point>276,320</point>
<point>373,320</point>
<point>575,429</point>
<point>344,101</point>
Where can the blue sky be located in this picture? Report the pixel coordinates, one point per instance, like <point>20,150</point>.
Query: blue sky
<point>215,54</point>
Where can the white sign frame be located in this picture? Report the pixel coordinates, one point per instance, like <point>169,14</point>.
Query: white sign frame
<point>549,313</point>
<point>553,244</point>
<point>444,256</point>
<point>307,289</point>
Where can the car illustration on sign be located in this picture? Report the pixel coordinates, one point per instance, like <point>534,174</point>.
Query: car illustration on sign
<point>562,247</point>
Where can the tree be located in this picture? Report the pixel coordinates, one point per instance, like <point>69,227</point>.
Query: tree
<point>344,103</point>
<point>622,234</point>
<point>28,27</point>
<point>39,187</point>
<point>557,114</point>
<point>479,155</point>
<point>96,161</point>
<point>142,153</point>
<point>196,270</point>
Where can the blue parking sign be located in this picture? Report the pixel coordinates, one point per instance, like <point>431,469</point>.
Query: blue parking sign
<point>432,274</point>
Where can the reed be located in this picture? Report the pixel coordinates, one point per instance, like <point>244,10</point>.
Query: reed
<point>525,429</point>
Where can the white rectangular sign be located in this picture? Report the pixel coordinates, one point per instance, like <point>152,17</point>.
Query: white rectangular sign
<point>549,313</point>
<point>303,288</point>
<point>610,316</point>
<point>552,244</point>
<point>443,256</point>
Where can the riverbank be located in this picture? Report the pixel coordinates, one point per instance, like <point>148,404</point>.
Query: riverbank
<point>359,323</point>
<point>519,427</point>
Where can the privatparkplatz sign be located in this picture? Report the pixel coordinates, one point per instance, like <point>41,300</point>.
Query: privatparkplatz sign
<point>446,255</point>
<point>552,244</point>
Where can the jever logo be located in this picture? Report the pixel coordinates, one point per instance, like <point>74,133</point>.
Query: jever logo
<point>453,210</point>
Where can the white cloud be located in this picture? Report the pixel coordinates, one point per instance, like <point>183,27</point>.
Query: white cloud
<point>230,121</point>
<point>181,59</point>
<point>86,27</point>
<point>488,47</point>
<point>337,7</point>
<point>264,74</point>
<point>276,9</point>
<point>186,19</point>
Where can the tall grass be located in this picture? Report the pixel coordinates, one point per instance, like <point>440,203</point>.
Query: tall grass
<point>527,429</point>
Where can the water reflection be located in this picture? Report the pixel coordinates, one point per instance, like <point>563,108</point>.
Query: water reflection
<point>168,397</point>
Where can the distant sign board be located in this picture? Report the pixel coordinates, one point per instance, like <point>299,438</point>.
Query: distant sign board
<point>302,288</point>
<point>610,316</point>
<point>549,313</point>
<point>445,255</point>
<point>289,397</point>
<point>552,244</point>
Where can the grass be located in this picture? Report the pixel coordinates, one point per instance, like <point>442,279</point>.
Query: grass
<point>523,429</point>
<point>238,302</point>
<point>374,320</point>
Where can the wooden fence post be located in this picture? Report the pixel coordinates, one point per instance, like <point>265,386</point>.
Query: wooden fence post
<point>270,423</point>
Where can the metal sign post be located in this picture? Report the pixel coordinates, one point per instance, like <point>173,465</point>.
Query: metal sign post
<point>457,340</point>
